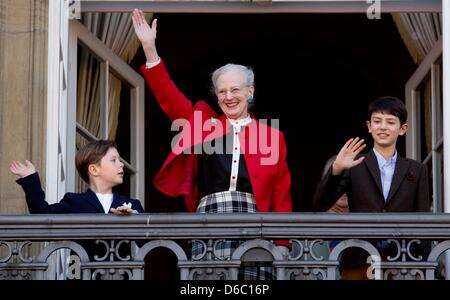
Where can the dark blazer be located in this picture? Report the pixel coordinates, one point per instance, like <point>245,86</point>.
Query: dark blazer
<point>362,184</point>
<point>409,192</point>
<point>86,202</point>
<point>73,203</point>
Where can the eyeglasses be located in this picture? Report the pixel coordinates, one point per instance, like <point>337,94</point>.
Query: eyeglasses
<point>234,91</point>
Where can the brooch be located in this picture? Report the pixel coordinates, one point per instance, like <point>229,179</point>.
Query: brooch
<point>410,176</point>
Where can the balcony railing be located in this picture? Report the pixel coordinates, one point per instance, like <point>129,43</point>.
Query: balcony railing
<point>137,235</point>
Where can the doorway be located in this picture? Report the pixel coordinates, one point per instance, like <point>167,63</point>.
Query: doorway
<point>316,73</point>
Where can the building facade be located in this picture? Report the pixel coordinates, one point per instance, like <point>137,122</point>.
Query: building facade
<point>65,64</point>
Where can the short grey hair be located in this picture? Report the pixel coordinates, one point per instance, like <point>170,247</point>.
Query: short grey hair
<point>247,72</point>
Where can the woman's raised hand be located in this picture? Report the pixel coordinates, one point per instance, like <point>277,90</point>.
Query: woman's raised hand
<point>146,34</point>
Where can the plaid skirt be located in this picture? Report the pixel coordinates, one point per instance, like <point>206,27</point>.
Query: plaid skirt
<point>230,202</point>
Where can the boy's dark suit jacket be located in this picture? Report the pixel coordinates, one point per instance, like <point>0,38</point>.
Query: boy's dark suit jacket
<point>72,203</point>
<point>362,184</point>
<point>86,202</point>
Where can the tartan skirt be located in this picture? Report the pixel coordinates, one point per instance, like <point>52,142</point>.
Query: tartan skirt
<point>230,202</point>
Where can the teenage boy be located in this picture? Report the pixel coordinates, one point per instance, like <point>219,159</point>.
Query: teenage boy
<point>378,181</point>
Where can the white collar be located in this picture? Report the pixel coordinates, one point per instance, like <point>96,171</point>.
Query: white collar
<point>237,124</point>
<point>382,161</point>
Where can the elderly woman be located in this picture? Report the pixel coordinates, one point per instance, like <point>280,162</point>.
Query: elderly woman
<point>221,164</point>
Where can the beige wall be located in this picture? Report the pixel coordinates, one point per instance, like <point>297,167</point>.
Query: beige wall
<point>23,83</point>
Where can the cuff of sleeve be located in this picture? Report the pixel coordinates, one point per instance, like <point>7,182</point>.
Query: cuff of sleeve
<point>149,65</point>
<point>28,179</point>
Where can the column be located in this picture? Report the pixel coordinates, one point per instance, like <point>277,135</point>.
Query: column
<point>23,82</point>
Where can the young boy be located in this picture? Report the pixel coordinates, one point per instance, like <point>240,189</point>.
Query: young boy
<point>98,164</point>
<point>378,181</point>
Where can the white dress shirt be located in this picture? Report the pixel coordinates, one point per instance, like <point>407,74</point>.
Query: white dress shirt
<point>105,200</point>
<point>387,168</point>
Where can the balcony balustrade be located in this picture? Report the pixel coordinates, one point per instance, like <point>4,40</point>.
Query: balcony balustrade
<point>125,241</point>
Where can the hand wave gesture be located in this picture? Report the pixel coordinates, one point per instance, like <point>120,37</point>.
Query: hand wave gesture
<point>346,157</point>
<point>145,33</point>
<point>21,169</point>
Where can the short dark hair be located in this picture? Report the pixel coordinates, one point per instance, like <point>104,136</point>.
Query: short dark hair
<point>389,105</point>
<point>91,153</point>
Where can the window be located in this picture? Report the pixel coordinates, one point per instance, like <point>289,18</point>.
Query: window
<point>424,103</point>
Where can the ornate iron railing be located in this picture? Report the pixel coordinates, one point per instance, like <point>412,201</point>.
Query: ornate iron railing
<point>310,258</point>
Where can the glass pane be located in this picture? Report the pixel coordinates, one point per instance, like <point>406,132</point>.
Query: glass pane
<point>440,179</point>
<point>88,91</point>
<point>434,206</point>
<point>439,94</point>
<point>441,157</point>
<point>425,117</point>
<point>119,124</point>
<point>80,185</point>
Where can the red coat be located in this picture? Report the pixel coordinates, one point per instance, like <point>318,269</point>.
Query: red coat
<point>178,176</point>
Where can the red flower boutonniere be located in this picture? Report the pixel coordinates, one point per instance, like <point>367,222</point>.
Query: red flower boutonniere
<point>410,176</point>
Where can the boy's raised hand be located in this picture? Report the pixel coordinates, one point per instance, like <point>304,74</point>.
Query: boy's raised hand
<point>146,34</point>
<point>20,169</point>
<point>346,157</point>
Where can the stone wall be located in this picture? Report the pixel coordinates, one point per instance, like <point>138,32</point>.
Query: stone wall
<point>23,84</point>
